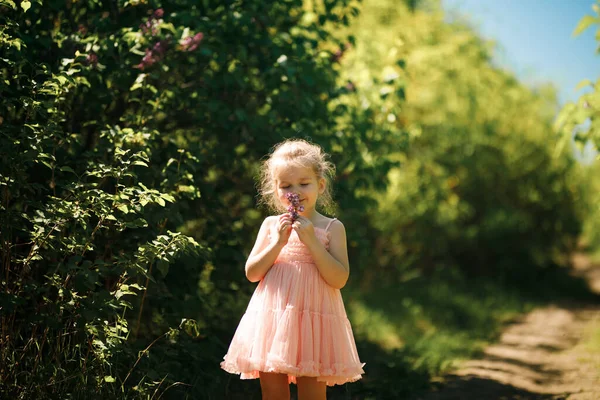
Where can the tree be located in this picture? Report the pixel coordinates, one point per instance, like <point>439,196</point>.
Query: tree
<point>130,136</point>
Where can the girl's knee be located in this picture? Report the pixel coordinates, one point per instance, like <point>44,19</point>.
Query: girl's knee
<point>274,386</point>
<point>310,388</point>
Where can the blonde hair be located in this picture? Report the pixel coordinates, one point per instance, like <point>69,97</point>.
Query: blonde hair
<point>296,152</point>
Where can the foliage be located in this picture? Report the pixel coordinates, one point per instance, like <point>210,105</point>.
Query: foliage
<point>591,233</point>
<point>114,117</point>
<point>86,205</point>
<point>130,136</point>
<point>579,121</point>
<point>484,185</point>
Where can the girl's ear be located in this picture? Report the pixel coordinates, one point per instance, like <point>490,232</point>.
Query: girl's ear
<point>322,185</point>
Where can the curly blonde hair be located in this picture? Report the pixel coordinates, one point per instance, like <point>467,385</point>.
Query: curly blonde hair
<point>300,153</point>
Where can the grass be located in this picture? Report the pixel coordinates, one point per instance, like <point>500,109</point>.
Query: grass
<point>440,320</point>
<point>410,333</point>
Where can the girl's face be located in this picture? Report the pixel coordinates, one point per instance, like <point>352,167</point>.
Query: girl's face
<point>301,180</point>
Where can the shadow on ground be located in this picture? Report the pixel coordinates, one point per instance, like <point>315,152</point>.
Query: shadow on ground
<point>477,388</point>
<point>536,357</point>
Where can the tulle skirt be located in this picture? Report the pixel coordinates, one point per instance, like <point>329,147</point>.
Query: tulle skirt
<point>295,324</point>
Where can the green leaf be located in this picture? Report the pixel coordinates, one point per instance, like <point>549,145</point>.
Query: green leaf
<point>168,197</point>
<point>25,5</point>
<point>137,223</point>
<point>9,3</point>
<point>163,267</point>
<point>109,379</point>
<point>47,164</point>
<point>582,84</point>
<point>190,326</point>
<point>584,23</point>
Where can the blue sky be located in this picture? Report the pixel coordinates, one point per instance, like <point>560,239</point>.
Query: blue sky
<point>535,39</point>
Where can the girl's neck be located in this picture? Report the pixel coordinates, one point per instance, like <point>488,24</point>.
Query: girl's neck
<point>312,215</point>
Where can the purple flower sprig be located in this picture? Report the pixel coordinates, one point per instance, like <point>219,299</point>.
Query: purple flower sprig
<point>91,59</point>
<point>153,55</point>
<point>294,208</point>
<point>191,43</point>
<point>151,25</point>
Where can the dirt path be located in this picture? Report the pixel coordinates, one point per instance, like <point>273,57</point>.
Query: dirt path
<point>538,357</point>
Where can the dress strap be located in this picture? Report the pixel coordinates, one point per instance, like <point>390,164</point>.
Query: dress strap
<point>329,224</point>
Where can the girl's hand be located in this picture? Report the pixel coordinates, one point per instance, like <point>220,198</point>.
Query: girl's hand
<point>283,228</point>
<point>305,230</point>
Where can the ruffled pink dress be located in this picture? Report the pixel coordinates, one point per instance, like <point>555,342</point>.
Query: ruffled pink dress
<point>295,324</point>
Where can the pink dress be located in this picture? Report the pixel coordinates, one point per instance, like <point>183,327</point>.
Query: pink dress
<point>295,324</point>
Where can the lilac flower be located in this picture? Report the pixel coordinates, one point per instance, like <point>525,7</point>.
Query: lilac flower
<point>160,48</point>
<point>151,25</point>
<point>191,43</point>
<point>158,13</point>
<point>147,61</point>
<point>294,208</point>
<point>146,26</point>
<point>153,55</point>
<point>92,59</point>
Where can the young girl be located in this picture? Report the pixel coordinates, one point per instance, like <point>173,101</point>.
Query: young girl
<point>295,329</point>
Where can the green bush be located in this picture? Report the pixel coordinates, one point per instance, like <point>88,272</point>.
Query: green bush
<point>124,124</point>
<point>578,120</point>
<point>485,185</point>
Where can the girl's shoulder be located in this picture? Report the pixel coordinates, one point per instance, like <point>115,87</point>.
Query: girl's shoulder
<point>270,221</point>
<point>331,223</point>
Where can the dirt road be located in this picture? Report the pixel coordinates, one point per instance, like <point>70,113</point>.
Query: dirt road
<point>540,356</point>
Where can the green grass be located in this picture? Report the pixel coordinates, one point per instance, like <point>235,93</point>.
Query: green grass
<point>440,320</point>
<point>412,332</point>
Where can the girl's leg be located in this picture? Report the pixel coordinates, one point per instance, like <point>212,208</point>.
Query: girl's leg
<point>311,389</point>
<point>274,386</point>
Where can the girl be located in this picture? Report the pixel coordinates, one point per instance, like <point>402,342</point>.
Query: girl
<point>295,329</point>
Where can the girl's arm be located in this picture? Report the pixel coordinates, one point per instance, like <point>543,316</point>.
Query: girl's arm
<point>333,265</point>
<point>265,252</point>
